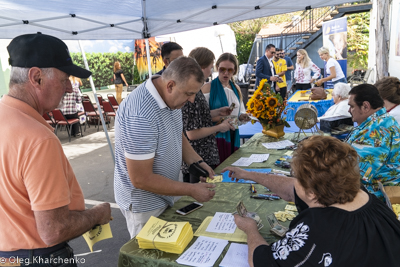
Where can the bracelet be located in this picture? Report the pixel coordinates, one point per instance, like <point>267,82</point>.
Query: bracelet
<point>200,161</point>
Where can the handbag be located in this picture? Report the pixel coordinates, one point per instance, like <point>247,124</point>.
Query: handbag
<point>317,93</point>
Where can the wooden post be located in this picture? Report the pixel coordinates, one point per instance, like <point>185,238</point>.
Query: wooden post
<point>382,38</point>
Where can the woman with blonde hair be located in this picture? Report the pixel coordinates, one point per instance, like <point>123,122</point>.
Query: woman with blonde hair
<point>332,68</point>
<point>223,92</point>
<point>76,82</point>
<point>118,79</point>
<point>389,90</point>
<point>302,73</point>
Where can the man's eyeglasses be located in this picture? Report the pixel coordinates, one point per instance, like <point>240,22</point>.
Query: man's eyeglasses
<point>223,70</point>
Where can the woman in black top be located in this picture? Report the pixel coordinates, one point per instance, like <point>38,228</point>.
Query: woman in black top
<point>338,224</point>
<point>118,79</point>
<point>197,119</point>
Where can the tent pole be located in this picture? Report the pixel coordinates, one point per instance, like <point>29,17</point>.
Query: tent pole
<point>148,56</point>
<point>97,101</point>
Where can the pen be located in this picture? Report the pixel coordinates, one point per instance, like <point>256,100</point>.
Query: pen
<point>271,196</point>
<point>255,197</point>
<point>252,188</point>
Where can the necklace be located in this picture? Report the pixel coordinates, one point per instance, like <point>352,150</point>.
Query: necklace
<point>388,110</point>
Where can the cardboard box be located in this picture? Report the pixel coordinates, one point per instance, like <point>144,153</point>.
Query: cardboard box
<point>391,194</point>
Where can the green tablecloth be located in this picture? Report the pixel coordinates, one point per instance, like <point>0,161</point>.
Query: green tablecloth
<point>254,146</point>
<point>226,198</point>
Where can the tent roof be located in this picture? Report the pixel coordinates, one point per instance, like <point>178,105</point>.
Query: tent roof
<point>125,19</point>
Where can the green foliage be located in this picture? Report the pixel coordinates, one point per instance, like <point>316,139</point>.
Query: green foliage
<point>246,31</point>
<point>102,67</point>
<point>244,43</point>
<point>358,40</point>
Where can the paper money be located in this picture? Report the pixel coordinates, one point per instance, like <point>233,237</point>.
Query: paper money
<point>241,209</point>
<point>276,228</point>
<point>291,208</point>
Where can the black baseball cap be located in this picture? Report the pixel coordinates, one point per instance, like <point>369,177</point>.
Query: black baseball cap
<point>43,51</point>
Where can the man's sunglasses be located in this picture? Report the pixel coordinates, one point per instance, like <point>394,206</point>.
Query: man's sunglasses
<point>223,70</point>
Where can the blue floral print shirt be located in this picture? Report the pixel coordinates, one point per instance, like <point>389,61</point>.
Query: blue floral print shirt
<point>377,142</point>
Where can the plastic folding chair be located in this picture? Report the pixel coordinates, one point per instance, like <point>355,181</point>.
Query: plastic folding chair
<point>113,101</point>
<point>109,111</point>
<point>91,112</point>
<point>61,120</point>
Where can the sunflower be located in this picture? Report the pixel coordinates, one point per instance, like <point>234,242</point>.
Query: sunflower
<point>259,108</point>
<point>271,113</point>
<point>266,105</point>
<point>261,85</point>
<point>250,104</point>
<point>272,102</point>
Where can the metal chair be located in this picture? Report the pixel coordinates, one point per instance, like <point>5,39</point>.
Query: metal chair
<point>359,77</point>
<point>49,119</point>
<point>100,98</point>
<point>61,120</point>
<point>86,97</point>
<point>91,112</point>
<point>109,111</point>
<point>113,101</point>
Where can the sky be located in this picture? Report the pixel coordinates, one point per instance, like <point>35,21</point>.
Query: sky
<point>102,46</point>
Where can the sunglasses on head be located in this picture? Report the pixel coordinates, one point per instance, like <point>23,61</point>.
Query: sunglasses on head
<point>223,70</point>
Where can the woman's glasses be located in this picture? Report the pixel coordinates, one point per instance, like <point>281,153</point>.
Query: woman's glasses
<point>223,70</point>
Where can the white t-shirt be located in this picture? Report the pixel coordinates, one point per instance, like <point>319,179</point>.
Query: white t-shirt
<point>232,98</point>
<point>339,109</point>
<point>333,63</point>
<point>395,113</point>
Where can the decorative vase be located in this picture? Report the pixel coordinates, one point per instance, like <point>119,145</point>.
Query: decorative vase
<point>276,132</point>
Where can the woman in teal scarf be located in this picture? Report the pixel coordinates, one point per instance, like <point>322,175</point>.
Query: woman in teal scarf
<point>222,92</point>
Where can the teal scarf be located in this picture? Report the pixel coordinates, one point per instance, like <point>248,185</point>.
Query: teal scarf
<point>217,100</point>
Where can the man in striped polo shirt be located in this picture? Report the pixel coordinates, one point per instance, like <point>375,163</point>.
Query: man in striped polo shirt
<point>150,145</point>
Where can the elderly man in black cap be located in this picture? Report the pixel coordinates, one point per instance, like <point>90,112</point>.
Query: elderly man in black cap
<point>41,202</point>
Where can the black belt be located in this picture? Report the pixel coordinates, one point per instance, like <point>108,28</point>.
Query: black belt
<point>25,253</point>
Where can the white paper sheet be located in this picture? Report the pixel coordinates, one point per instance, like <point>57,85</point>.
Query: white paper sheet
<point>243,162</point>
<point>259,157</point>
<point>278,145</point>
<point>222,222</point>
<point>237,256</point>
<point>253,118</point>
<point>204,252</point>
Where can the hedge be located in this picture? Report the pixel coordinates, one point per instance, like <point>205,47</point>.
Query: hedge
<point>102,67</point>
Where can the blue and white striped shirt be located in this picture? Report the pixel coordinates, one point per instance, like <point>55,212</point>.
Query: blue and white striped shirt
<point>146,128</point>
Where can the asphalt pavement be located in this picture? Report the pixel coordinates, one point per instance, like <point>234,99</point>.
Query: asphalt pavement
<point>91,160</point>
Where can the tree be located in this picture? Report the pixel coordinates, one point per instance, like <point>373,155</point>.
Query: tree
<point>246,31</point>
<point>358,40</point>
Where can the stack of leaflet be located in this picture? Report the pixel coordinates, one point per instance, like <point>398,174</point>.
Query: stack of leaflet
<point>172,237</point>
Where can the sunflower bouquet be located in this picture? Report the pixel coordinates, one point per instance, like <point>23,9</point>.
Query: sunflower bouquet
<point>267,106</point>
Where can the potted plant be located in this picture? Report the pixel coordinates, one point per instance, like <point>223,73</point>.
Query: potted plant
<point>268,107</point>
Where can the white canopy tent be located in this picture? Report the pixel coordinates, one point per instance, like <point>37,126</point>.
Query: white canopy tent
<point>133,19</point>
